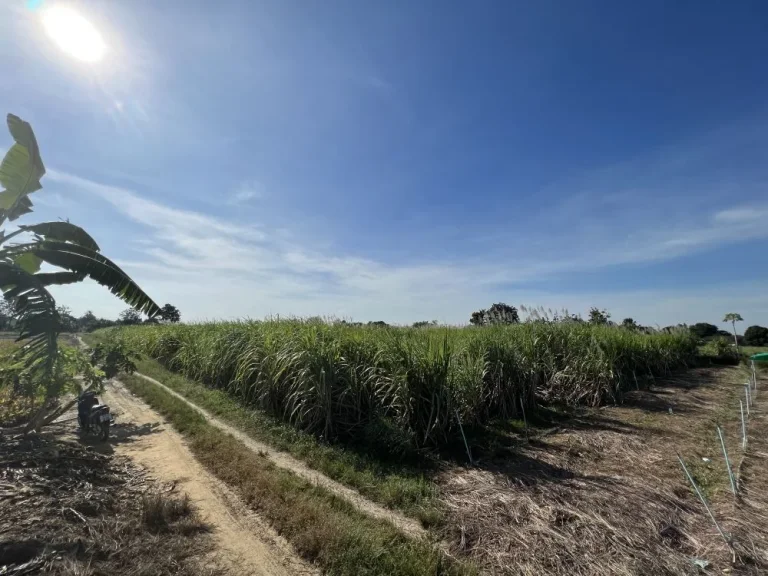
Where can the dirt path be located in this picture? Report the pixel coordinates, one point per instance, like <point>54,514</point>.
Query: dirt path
<point>244,543</point>
<point>407,525</point>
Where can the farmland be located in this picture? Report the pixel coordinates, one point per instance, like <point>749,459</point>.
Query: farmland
<point>415,385</point>
<point>505,442</point>
<point>556,479</point>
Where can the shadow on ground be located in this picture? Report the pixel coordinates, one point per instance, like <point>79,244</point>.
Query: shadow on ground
<point>666,394</point>
<point>118,434</point>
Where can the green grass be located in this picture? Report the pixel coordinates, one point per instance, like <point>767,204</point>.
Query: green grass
<point>750,350</point>
<point>407,389</point>
<point>747,351</point>
<point>393,485</point>
<point>368,407</point>
<point>712,476</point>
<point>322,528</point>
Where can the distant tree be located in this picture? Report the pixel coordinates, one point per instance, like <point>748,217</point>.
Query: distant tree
<point>7,315</point>
<point>503,314</point>
<point>425,323</point>
<point>499,313</point>
<point>704,330</point>
<point>756,336</point>
<point>733,317</point>
<point>347,323</point>
<point>129,317</point>
<point>630,324</point>
<point>169,313</point>
<point>68,322</point>
<point>477,317</point>
<point>87,322</point>
<point>379,323</point>
<point>597,316</point>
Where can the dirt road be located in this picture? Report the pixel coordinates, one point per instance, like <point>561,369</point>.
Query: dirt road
<point>409,526</point>
<point>244,543</point>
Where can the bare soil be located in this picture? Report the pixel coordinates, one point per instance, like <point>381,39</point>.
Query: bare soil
<point>602,491</point>
<point>67,509</point>
<point>242,542</point>
<point>139,504</point>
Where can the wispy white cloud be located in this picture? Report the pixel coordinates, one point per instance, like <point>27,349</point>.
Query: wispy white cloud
<point>246,192</point>
<point>743,215</point>
<point>49,199</point>
<point>211,267</point>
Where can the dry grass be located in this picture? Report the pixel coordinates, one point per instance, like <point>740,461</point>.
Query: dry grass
<point>161,512</point>
<point>67,509</point>
<point>603,493</point>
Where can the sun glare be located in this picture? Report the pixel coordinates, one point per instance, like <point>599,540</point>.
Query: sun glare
<point>74,34</point>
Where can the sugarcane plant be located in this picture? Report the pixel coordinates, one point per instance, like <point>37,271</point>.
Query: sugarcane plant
<point>70,251</point>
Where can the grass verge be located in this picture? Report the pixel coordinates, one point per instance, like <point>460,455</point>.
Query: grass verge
<point>322,528</point>
<point>391,484</point>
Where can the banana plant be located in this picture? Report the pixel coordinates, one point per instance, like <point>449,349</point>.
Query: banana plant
<point>68,249</point>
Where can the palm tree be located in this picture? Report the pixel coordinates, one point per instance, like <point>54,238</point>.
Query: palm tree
<point>59,244</point>
<point>733,317</point>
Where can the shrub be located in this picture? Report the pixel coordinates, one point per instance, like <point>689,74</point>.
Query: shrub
<point>720,350</point>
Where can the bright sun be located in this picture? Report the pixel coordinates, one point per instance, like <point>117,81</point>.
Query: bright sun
<point>74,34</point>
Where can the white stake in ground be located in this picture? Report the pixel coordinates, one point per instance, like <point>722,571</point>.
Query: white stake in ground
<point>727,462</point>
<point>754,375</point>
<point>703,501</point>
<point>746,397</point>
<point>743,428</point>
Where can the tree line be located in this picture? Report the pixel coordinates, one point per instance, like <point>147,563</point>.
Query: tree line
<point>89,322</point>
<point>753,336</point>
<point>501,313</point>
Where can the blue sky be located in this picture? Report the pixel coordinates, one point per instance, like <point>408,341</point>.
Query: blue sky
<point>408,160</point>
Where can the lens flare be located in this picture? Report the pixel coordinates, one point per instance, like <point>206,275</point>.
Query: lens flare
<point>75,35</point>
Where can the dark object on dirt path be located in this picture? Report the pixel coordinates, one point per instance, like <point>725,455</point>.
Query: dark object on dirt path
<point>92,416</point>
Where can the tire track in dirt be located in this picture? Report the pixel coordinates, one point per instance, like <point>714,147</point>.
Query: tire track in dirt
<point>245,544</point>
<point>407,525</point>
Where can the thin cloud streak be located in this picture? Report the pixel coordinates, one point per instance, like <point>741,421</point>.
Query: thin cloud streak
<point>246,268</point>
<point>246,192</point>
